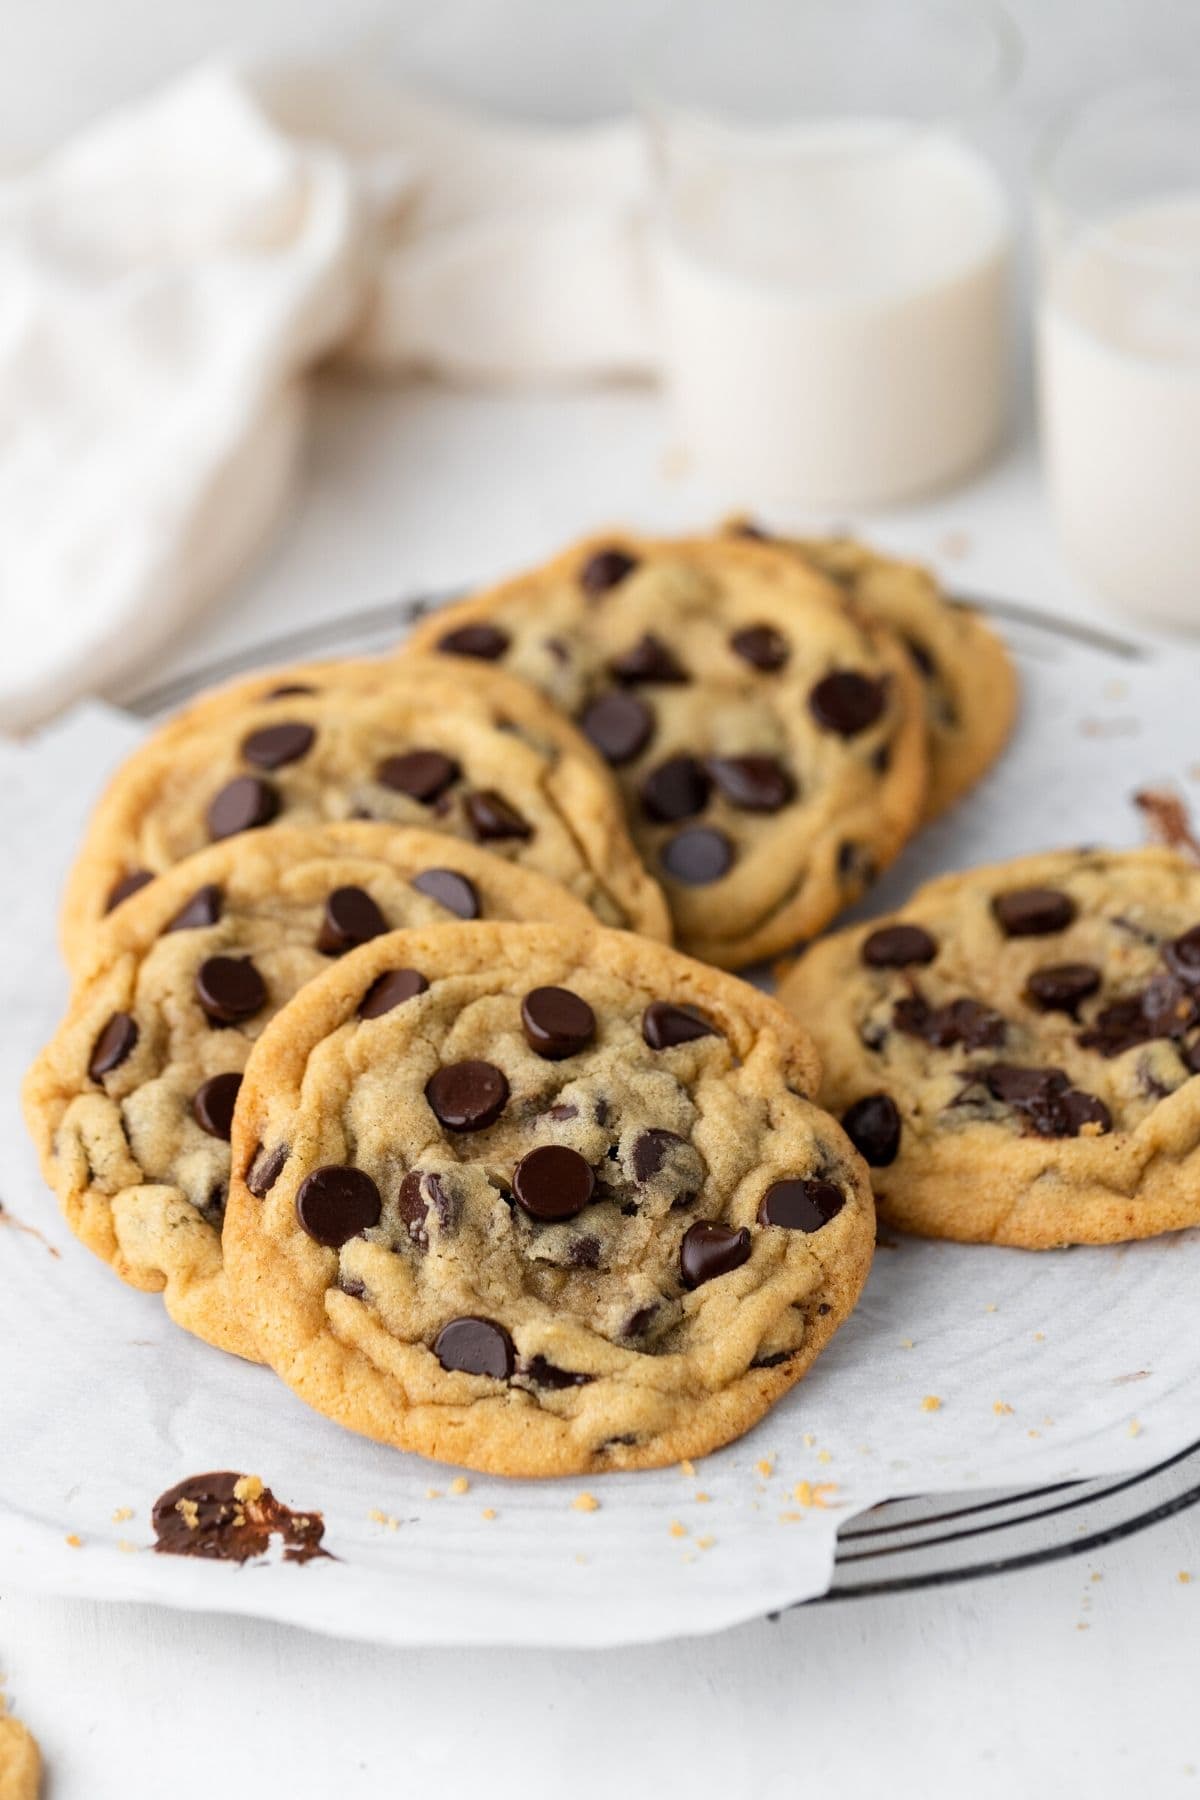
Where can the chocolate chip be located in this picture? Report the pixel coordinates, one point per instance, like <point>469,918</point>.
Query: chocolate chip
<point>553,1182</point>
<point>873,1126</point>
<point>966,1022</point>
<point>847,702</point>
<point>548,1375</point>
<point>128,884</point>
<point>638,1323</point>
<point>337,1203</point>
<point>761,646</point>
<point>752,783</point>
<point>921,656</point>
<point>664,1025</point>
<point>351,918</point>
<point>773,1361</point>
<point>651,1151</point>
<point>854,863</point>
<point>421,774</point>
<point>265,1169</point>
<point>449,889</point>
<point>1062,987</point>
<point>605,569</point>
<point>1182,955</point>
<point>389,990</point>
<point>204,908</point>
<point>290,687</point>
<point>114,1044</point>
<point>419,1195</point>
<point>1119,1027</point>
<point>800,1205</point>
<point>230,988</point>
<point>276,745</point>
<point>491,817</point>
<point>244,804</point>
<point>213,1103</point>
<point>487,642</point>
<point>467,1096</point>
<point>1033,912</point>
<point>698,855</point>
<point>556,1022</point>
<point>648,660</point>
<point>618,725</point>
<point>898,946</point>
<point>677,789</point>
<point>472,1346</point>
<point>710,1250</point>
<point>1045,1099</point>
<point>584,1251</point>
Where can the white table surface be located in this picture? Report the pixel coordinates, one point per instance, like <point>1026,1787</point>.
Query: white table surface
<point>1044,1683</point>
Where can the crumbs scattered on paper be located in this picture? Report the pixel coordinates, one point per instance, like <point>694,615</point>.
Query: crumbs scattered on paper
<point>227,1517</point>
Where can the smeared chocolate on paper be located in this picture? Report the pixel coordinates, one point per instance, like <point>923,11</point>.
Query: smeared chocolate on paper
<point>227,1517</point>
<point>1169,820</point>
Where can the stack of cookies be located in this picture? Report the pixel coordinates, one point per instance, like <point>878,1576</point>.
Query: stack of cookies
<point>381,1067</point>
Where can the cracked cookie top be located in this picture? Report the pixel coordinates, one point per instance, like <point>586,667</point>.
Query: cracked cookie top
<point>463,750</point>
<point>768,743</point>
<point>131,1104</point>
<point>561,1204</point>
<point>1014,1052</point>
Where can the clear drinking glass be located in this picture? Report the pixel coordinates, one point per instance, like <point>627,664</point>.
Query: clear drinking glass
<point>1119,344</point>
<point>831,255</point>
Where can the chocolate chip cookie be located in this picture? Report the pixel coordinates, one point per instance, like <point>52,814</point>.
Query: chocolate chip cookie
<point>561,1205</point>
<point>969,679</point>
<point>769,745</point>
<point>1014,1052</point>
<point>131,1105</point>
<point>461,749</point>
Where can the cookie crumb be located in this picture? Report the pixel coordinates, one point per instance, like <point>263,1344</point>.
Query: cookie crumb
<point>1096,1575</point>
<point>122,1513</point>
<point>1001,1408</point>
<point>705,1543</point>
<point>382,1518</point>
<point>1184,1576</point>
<point>580,1557</point>
<point>1082,1625</point>
<point>1135,1428</point>
<point>806,1494</point>
<point>460,1485</point>
<point>76,1542</point>
<point>907,1343</point>
<point>810,1438</point>
<point>1039,1337</point>
<point>248,1489</point>
<point>585,1503</point>
<point>124,1545</point>
<point>677,1529</point>
<point>702,1497</point>
<point>991,1307</point>
<point>433,1493</point>
<point>189,1512</point>
<point>687,1469</point>
<point>823,1456</point>
<point>931,1403</point>
<point>489,1512</point>
<point>1033,1434</point>
<point>765,1467</point>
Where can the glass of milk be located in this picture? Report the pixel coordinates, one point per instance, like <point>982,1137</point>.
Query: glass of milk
<point>1119,344</point>
<point>831,256</point>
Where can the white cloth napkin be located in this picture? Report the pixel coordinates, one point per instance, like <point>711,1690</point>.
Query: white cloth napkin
<point>167,279</point>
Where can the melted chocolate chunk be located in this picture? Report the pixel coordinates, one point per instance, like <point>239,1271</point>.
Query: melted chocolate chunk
<point>651,1150</point>
<point>467,1096</point>
<point>1062,987</point>
<point>847,702</point>
<point>698,855</point>
<point>758,784</point>
<point>556,1022</point>
<point>242,805</point>
<point>421,1194</point>
<point>128,884</point>
<point>203,1516</point>
<point>423,775</point>
<point>709,1250</point>
<point>761,646</point>
<point>605,569</point>
<point>548,1375</point>
<point>213,1104</point>
<point>677,789</point>
<point>230,989</point>
<point>276,745</point>
<point>487,642</point>
<point>351,918</point>
<point>337,1203</point>
<point>618,725</point>
<point>449,889</point>
<point>664,1025</point>
<point>389,990</point>
<point>473,1346</point>
<point>116,1042</point>
<point>265,1169</point>
<point>873,1126</point>
<point>1182,956</point>
<point>1033,912</point>
<point>491,817</point>
<point>964,1022</point>
<point>290,687</point>
<point>204,908</point>
<point>804,1205</point>
<point>921,656</point>
<point>648,660</point>
<point>553,1183</point>
<point>1045,1099</point>
<point>898,946</point>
